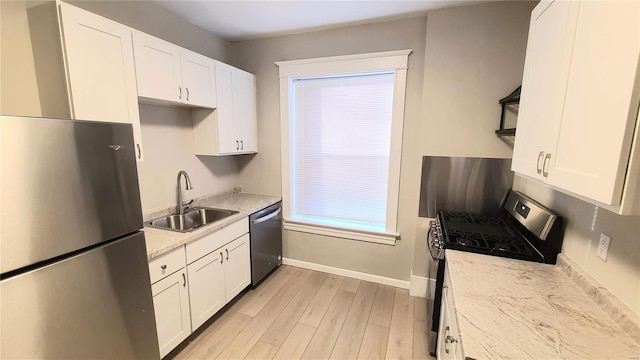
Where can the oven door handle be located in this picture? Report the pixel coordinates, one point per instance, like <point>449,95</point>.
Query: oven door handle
<point>429,235</point>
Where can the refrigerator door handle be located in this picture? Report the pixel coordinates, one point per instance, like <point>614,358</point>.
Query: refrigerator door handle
<point>267,217</point>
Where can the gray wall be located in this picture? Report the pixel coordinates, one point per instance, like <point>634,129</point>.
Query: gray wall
<point>262,173</point>
<point>167,136</point>
<point>32,84</point>
<point>474,56</point>
<point>18,85</point>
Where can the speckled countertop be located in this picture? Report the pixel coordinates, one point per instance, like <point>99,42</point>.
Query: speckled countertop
<point>160,241</point>
<point>517,309</point>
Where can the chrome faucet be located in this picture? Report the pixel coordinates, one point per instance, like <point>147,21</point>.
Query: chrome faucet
<point>182,206</point>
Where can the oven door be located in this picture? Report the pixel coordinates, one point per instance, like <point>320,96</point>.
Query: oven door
<point>435,308</point>
<point>435,245</point>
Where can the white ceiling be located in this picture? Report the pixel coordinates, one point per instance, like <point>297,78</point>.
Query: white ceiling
<point>242,20</point>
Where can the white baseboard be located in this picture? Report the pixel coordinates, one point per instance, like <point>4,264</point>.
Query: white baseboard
<point>418,286</point>
<point>422,287</point>
<point>432,288</point>
<point>348,273</point>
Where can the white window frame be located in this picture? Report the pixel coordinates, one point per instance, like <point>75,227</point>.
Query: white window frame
<point>395,61</point>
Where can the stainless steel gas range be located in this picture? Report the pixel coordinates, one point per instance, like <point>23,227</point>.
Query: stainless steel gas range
<point>522,229</point>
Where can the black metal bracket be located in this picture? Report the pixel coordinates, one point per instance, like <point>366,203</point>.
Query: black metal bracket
<point>513,98</point>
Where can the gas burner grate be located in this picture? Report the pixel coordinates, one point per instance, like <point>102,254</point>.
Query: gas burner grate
<point>489,242</point>
<point>458,217</point>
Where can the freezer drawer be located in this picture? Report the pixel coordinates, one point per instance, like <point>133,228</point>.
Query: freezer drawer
<point>66,185</point>
<point>265,228</point>
<point>96,305</point>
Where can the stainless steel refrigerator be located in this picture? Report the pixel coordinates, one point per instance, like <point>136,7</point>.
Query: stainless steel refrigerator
<point>74,274</point>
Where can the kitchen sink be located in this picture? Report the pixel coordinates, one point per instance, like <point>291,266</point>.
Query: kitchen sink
<point>192,219</point>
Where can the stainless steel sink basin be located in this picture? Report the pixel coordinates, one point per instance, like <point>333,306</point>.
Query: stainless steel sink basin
<point>194,218</point>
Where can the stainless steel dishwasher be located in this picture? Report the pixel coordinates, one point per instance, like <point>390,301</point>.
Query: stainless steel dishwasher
<point>265,227</point>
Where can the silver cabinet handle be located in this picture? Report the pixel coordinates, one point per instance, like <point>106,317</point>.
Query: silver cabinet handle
<point>179,92</point>
<point>227,250</point>
<point>220,257</point>
<point>241,145</point>
<point>237,145</point>
<point>267,217</point>
<point>163,267</point>
<point>446,340</point>
<point>187,89</point>
<point>538,167</point>
<point>139,151</point>
<point>545,165</point>
<point>184,280</point>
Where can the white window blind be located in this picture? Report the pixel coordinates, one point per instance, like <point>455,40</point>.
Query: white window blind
<point>341,141</point>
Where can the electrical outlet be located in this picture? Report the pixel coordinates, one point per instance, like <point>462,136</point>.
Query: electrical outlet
<point>603,246</point>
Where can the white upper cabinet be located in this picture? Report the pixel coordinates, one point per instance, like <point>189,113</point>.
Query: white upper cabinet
<point>157,68</point>
<point>232,128</point>
<point>198,79</point>
<point>543,84</point>
<point>228,143</point>
<point>168,73</point>
<point>244,105</point>
<point>577,124</point>
<point>600,107</point>
<point>100,70</point>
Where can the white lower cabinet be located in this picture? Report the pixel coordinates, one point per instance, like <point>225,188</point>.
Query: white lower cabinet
<point>449,346</point>
<point>171,307</point>
<point>217,278</point>
<point>237,266</point>
<point>207,294</point>
<point>192,283</point>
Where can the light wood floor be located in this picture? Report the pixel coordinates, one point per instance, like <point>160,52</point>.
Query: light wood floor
<point>303,314</point>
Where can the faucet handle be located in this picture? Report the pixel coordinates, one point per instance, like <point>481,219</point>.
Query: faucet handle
<point>187,204</point>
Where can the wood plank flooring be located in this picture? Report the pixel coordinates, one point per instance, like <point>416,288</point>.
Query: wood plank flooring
<point>303,314</point>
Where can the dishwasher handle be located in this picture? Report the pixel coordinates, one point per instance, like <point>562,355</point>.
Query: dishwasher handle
<point>267,217</point>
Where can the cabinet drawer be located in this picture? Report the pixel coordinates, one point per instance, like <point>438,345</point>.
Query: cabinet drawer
<point>167,264</point>
<point>205,245</point>
<point>237,229</point>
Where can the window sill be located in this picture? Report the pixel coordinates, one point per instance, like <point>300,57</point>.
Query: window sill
<point>374,237</point>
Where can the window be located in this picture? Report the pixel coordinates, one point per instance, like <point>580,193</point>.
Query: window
<point>342,133</point>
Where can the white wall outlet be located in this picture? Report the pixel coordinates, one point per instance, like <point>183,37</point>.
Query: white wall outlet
<point>603,246</point>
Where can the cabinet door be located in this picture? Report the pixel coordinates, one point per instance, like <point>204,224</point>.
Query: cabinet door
<point>227,141</point>
<point>444,350</point>
<point>100,70</point>
<point>448,338</point>
<point>171,307</point>
<point>544,84</point>
<point>198,79</point>
<point>157,68</point>
<point>600,107</point>
<point>245,125</point>
<point>206,288</point>
<point>237,268</point>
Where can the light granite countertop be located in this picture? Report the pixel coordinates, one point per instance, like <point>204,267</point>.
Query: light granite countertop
<point>517,309</point>
<point>160,241</point>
